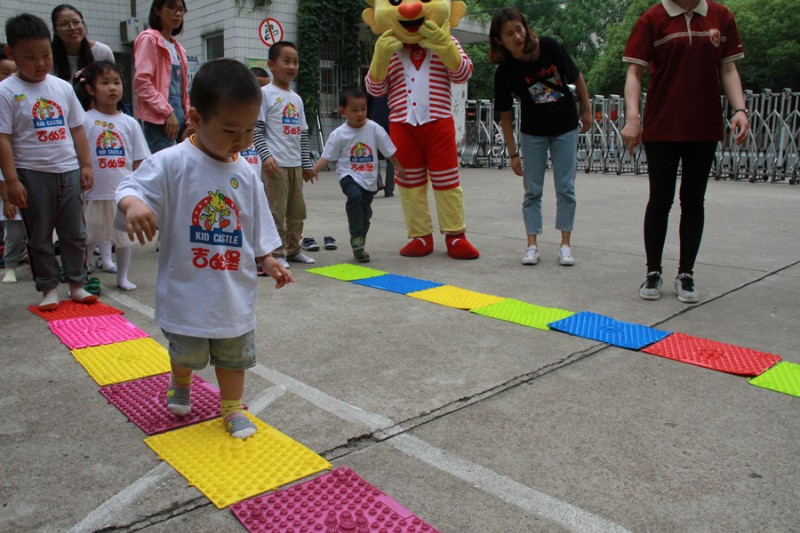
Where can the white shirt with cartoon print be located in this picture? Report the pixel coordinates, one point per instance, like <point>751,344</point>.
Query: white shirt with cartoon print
<point>115,142</point>
<point>214,221</point>
<point>355,151</point>
<point>38,116</point>
<point>284,120</point>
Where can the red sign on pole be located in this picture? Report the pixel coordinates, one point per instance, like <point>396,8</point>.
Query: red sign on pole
<point>270,31</point>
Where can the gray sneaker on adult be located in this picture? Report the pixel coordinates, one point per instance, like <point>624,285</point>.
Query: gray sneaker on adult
<point>684,288</point>
<point>651,288</point>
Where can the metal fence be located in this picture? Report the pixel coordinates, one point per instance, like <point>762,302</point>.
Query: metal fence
<point>769,154</point>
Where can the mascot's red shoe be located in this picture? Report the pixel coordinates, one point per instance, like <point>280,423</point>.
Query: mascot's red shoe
<point>458,247</point>
<point>418,247</point>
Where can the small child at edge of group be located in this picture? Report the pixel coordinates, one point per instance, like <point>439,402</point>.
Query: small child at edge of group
<point>117,148</point>
<point>281,138</point>
<point>354,146</point>
<point>211,212</point>
<point>11,228</point>
<point>44,157</point>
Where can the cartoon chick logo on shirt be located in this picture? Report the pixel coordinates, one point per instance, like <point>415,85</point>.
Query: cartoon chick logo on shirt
<point>47,114</point>
<point>211,216</point>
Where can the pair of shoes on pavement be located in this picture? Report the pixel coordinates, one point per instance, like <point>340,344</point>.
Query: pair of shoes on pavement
<point>532,256</point>
<point>684,287</point>
<point>309,244</point>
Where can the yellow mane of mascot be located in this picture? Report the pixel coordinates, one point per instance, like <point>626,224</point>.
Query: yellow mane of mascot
<point>415,35</point>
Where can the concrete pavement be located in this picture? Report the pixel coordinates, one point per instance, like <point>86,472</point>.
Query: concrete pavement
<point>474,424</point>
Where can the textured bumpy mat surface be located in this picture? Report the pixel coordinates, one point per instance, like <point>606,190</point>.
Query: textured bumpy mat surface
<point>783,377</point>
<point>95,331</point>
<point>450,296</point>
<point>346,272</point>
<point>397,284</point>
<point>606,329</point>
<point>123,361</point>
<point>69,309</point>
<point>713,354</point>
<point>143,401</point>
<point>228,470</point>
<point>523,313</point>
<point>340,501</point>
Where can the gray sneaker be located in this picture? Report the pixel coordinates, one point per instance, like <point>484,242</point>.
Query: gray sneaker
<point>651,288</point>
<point>282,260</point>
<point>300,257</point>
<point>531,256</point>
<point>684,288</point>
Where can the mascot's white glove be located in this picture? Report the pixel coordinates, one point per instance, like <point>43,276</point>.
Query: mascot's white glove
<point>438,39</point>
<point>386,45</point>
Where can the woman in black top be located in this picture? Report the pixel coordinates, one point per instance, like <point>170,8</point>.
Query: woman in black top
<point>537,70</point>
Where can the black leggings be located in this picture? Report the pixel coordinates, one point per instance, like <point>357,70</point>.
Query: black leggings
<point>662,163</point>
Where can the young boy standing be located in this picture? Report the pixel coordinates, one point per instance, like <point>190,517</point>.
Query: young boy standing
<point>354,146</point>
<point>210,209</point>
<point>44,157</point>
<point>281,138</point>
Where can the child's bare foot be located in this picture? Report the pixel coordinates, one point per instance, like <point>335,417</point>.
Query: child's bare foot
<point>50,301</point>
<point>80,295</point>
<point>125,284</point>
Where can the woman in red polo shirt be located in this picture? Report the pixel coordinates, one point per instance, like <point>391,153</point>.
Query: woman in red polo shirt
<point>690,47</point>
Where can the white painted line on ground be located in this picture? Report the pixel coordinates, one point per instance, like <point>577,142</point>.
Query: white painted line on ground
<point>124,299</point>
<point>265,398</point>
<point>487,480</point>
<point>98,518</point>
<point>504,487</point>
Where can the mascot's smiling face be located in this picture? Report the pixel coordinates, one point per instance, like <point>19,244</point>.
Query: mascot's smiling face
<point>406,16</point>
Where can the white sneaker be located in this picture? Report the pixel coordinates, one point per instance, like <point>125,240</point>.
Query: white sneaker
<point>282,260</point>
<point>531,256</point>
<point>684,288</point>
<point>565,256</point>
<point>10,276</point>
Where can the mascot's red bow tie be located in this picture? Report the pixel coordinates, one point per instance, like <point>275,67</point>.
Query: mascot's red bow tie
<point>417,54</point>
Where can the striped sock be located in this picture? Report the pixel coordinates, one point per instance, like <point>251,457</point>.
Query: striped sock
<point>179,395</point>
<point>238,424</point>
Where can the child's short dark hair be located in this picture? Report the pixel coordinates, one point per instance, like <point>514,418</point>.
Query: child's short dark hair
<point>208,93</point>
<point>350,93</point>
<point>26,26</point>
<point>275,49</point>
<point>259,72</point>
<point>88,76</point>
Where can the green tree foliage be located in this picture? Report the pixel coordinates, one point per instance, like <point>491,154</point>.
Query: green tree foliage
<point>316,26</point>
<point>771,46</point>
<point>595,33</point>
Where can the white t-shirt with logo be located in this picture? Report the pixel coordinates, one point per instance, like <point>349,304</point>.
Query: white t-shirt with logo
<point>38,116</point>
<point>214,221</point>
<point>115,143</point>
<point>251,156</point>
<point>355,151</point>
<point>284,119</point>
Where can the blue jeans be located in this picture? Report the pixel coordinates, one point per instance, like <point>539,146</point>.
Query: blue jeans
<point>564,154</point>
<point>358,206</point>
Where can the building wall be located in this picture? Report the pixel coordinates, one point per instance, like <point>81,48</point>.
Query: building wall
<point>240,29</point>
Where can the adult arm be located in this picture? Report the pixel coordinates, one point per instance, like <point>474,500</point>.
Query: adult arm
<point>632,131</point>
<point>732,85</point>
<point>146,60</point>
<point>583,95</point>
<point>507,126</point>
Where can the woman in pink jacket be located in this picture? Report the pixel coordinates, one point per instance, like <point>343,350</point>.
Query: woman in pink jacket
<point>160,82</point>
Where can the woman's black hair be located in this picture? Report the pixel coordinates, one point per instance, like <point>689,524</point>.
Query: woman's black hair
<point>497,52</point>
<point>60,62</point>
<point>88,76</point>
<point>154,21</point>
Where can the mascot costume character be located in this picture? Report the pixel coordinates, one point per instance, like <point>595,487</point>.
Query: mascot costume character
<point>415,62</point>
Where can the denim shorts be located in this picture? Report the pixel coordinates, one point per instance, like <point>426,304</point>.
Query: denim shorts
<point>237,353</point>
